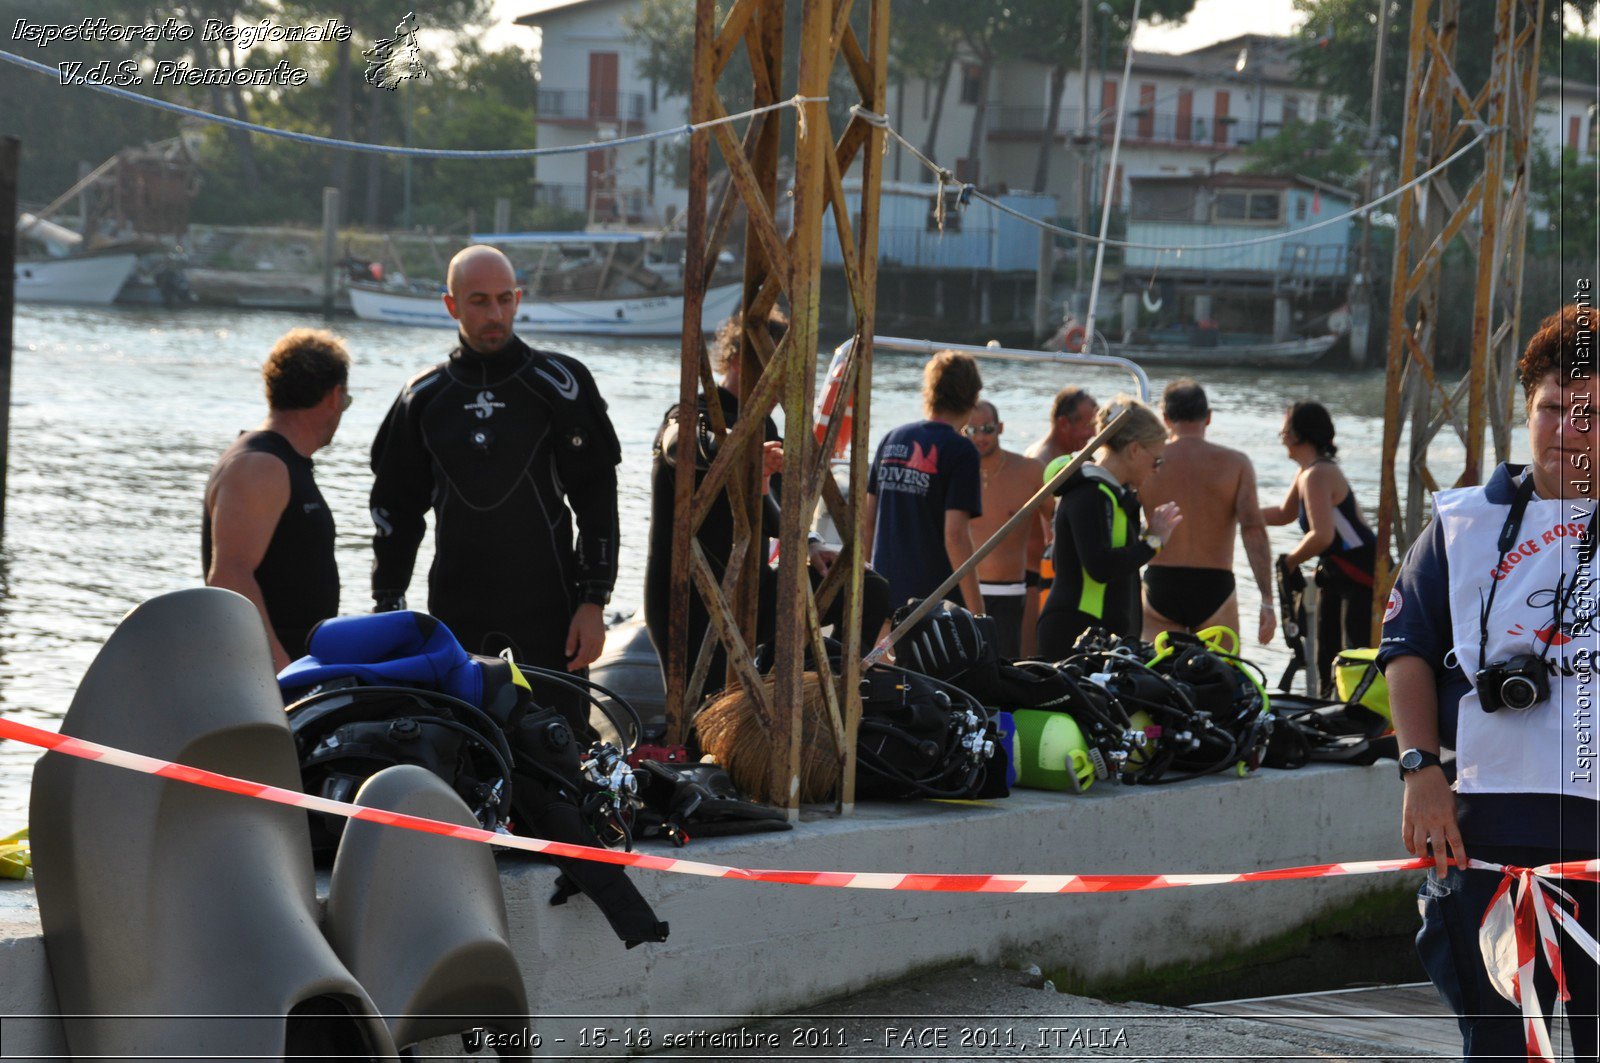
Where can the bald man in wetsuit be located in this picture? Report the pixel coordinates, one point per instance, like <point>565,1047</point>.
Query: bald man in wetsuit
<point>512,449</point>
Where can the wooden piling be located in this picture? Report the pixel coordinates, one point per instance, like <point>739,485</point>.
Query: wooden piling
<point>330,245</point>
<point>10,159</point>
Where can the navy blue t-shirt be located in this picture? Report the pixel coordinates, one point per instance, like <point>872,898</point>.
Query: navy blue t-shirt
<point>1417,624</point>
<point>920,471</point>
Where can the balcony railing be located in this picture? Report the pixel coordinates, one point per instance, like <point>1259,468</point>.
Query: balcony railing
<point>1147,127</point>
<point>582,105</point>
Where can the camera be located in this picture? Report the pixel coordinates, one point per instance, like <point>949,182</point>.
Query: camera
<point>1518,683</point>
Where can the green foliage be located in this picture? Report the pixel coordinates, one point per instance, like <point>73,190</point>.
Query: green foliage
<point>1563,187</point>
<point>472,98</point>
<point>1577,58</point>
<point>1317,150</point>
<point>1339,39</point>
<point>666,30</point>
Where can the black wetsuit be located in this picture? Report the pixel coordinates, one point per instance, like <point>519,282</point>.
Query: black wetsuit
<point>499,446</point>
<point>1098,554</point>
<point>298,576</point>
<point>716,540</point>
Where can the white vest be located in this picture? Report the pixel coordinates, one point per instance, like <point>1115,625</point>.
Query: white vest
<point>1550,748</point>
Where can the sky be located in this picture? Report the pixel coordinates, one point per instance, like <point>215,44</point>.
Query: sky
<point>1210,21</point>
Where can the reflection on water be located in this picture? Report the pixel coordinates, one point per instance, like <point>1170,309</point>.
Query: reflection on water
<point>118,415</point>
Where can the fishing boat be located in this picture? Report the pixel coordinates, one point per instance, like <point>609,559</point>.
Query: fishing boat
<point>89,279</point>
<point>583,283</point>
<point>1240,352</point>
<point>61,269</point>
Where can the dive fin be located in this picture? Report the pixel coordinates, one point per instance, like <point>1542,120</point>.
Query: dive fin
<point>173,908</point>
<point>420,919</point>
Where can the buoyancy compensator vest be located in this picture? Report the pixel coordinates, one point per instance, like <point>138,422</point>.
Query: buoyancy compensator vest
<point>397,688</point>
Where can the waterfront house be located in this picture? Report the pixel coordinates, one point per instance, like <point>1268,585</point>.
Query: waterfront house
<point>1301,276</point>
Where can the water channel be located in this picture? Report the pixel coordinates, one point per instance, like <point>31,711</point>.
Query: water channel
<point>118,415</point>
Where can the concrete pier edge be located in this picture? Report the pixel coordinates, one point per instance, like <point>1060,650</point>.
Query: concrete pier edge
<point>740,949</point>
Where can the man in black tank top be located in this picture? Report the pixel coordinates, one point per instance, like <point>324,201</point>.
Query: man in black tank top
<point>266,531</point>
<point>512,450</point>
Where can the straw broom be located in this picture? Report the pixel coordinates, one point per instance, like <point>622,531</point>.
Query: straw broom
<point>733,732</point>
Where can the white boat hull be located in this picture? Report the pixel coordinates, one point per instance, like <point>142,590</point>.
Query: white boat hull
<point>87,280</point>
<point>640,315</point>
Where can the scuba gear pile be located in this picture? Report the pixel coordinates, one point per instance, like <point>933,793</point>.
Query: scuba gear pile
<point>1176,710</point>
<point>923,737</point>
<point>397,688</point>
<point>1182,707</point>
<point>681,801</point>
<point>919,735</point>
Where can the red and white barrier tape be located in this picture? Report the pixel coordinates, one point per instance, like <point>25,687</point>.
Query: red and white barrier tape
<point>1512,934</point>
<point>1515,932</point>
<point>78,747</point>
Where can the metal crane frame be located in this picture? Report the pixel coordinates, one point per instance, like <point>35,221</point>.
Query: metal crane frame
<point>782,374</point>
<point>1489,214</point>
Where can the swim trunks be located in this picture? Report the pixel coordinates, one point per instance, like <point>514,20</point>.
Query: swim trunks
<point>1187,596</point>
<point>1004,602</point>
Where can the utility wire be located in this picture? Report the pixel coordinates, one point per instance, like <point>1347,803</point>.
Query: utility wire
<point>386,149</point>
<point>969,192</point>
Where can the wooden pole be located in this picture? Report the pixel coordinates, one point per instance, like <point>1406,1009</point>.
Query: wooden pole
<point>330,244</point>
<point>693,352</point>
<point>928,604</point>
<point>10,158</point>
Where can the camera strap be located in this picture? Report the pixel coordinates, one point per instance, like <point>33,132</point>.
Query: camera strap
<point>1508,539</point>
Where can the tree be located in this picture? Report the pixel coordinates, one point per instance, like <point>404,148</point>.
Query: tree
<point>370,20</point>
<point>1048,32</point>
<point>1317,150</point>
<point>1340,36</point>
<point>1563,189</point>
<point>922,46</point>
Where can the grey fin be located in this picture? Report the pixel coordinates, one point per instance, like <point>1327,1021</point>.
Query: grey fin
<point>420,919</point>
<point>183,904</point>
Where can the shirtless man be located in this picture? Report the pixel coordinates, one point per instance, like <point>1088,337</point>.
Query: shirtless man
<point>1189,585</point>
<point>1009,480</point>
<point>1071,425</point>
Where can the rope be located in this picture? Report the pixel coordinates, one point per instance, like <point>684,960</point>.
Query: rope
<point>969,191</point>
<point>796,102</point>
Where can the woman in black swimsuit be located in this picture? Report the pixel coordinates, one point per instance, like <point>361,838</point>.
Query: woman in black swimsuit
<point>1321,499</point>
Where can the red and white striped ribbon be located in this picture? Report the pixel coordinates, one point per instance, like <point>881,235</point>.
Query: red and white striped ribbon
<point>1514,933</point>
<point>945,883</point>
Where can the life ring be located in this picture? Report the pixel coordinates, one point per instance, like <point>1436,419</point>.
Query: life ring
<point>828,402</point>
<point>1072,340</point>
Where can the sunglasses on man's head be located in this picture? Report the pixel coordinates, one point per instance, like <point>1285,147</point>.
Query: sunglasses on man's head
<point>980,429</point>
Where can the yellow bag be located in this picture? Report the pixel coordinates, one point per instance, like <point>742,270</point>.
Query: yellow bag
<point>1358,679</point>
<point>15,856</point>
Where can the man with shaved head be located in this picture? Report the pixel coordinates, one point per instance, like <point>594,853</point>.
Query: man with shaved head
<point>513,451</point>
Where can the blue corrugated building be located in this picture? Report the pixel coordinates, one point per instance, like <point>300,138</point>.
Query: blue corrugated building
<point>975,237</point>
<point>980,269</point>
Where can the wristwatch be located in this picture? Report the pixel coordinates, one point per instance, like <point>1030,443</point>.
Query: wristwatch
<point>1152,540</point>
<point>1414,760</point>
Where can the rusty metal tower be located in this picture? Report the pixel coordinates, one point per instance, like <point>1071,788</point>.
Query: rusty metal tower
<point>1482,198</point>
<point>778,265</point>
